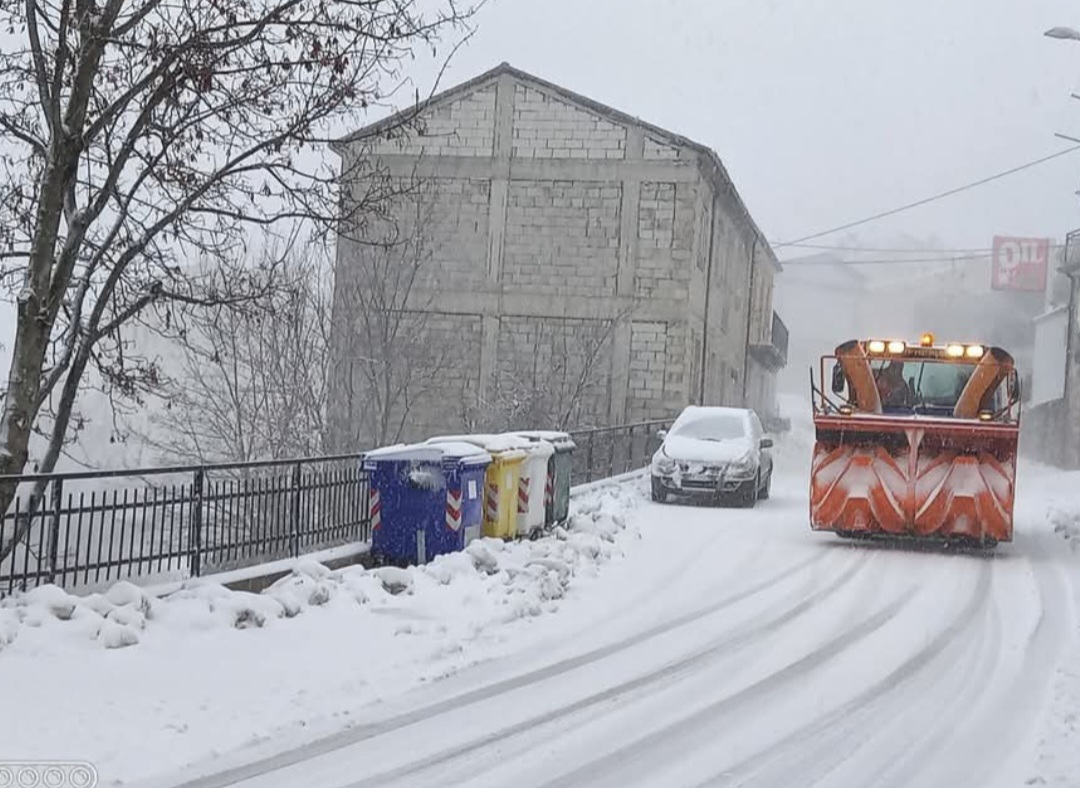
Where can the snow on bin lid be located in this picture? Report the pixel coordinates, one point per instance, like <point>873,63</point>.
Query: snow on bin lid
<point>538,446</point>
<point>470,453</point>
<point>506,446</point>
<point>560,439</point>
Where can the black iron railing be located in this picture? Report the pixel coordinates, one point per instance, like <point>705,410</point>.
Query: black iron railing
<point>780,336</point>
<point>96,527</point>
<point>611,451</point>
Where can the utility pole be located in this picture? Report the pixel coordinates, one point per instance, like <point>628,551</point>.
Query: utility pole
<point>1071,269</point>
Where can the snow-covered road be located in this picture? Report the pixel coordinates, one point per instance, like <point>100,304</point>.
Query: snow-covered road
<point>734,647</point>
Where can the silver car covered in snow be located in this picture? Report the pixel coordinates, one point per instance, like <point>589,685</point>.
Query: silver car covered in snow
<point>714,452</point>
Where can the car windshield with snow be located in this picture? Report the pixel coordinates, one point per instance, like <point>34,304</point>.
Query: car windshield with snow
<point>714,452</point>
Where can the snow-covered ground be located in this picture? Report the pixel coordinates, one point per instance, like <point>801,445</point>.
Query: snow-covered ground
<point>648,646</point>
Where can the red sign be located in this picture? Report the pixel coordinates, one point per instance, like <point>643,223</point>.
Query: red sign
<point>1020,263</point>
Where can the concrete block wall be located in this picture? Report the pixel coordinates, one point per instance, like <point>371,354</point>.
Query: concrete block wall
<point>554,224</point>
<point>441,404</point>
<point>562,238</point>
<point>655,150</point>
<point>462,128</point>
<point>441,365</point>
<point>554,368</point>
<point>658,374</point>
<point>548,128</point>
<point>666,219</point>
<point>456,233</point>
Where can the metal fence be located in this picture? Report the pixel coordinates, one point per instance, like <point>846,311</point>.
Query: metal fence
<point>610,451</point>
<point>97,527</point>
<point>94,528</point>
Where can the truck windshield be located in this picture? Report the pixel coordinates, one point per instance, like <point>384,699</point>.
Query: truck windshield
<point>921,384</point>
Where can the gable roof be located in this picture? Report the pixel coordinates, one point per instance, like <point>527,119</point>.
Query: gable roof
<point>711,164</point>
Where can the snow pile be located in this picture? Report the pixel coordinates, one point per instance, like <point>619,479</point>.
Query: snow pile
<point>1066,523</point>
<point>207,670</point>
<point>515,580</point>
<point>113,620</point>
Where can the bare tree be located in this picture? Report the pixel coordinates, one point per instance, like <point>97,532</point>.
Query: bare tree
<point>139,134</point>
<point>555,378</point>
<point>255,384</point>
<point>252,383</point>
<point>386,360</point>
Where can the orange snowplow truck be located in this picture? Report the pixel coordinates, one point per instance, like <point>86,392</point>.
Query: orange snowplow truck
<point>916,440</point>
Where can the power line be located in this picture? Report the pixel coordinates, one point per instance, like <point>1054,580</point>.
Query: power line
<point>939,259</point>
<point>936,197</point>
<point>888,250</point>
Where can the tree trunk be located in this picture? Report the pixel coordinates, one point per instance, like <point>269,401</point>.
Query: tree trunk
<point>32,334</point>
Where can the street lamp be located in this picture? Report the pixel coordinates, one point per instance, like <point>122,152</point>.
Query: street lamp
<point>1063,33</point>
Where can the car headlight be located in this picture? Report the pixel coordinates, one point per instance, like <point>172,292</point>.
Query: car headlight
<point>743,465</point>
<point>664,464</point>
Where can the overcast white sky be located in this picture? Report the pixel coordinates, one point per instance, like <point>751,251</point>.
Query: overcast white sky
<point>825,111</point>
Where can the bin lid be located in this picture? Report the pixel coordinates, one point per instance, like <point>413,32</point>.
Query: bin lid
<point>466,453</point>
<point>560,440</point>
<point>538,447</point>
<point>507,446</point>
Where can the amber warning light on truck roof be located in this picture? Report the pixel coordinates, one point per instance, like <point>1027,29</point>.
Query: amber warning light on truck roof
<point>926,346</point>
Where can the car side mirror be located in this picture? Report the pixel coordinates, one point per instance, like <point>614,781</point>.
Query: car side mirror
<point>838,381</point>
<point>661,434</point>
<point>766,443</point>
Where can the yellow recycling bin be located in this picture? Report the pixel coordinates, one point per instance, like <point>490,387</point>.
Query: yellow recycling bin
<point>505,484</point>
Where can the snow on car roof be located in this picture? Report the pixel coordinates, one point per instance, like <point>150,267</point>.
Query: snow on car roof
<point>695,412</point>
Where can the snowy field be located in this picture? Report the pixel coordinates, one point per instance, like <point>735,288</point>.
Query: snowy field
<point>647,645</point>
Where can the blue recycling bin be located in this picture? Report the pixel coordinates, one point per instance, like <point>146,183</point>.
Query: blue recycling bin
<point>425,500</point>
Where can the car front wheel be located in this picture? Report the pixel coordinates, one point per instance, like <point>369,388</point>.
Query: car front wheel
<point>659,494</point>
<point>766,491</point>
<point>749,496</point>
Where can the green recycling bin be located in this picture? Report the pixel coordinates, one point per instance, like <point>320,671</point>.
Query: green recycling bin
<point>560,471</point>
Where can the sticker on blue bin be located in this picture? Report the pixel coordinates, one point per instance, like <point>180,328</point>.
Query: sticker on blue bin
<point>472,489</point>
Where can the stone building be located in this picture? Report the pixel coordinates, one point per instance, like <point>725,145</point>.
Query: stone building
<point>584,268</point>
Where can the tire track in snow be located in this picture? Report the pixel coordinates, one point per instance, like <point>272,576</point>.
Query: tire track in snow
<point>699,552</point>
<point>817,748</point>
<point>959,755</point>
<point>1012,712</point>
<point>363,732</point>
<point>612,768</point>
<point>653,681</point>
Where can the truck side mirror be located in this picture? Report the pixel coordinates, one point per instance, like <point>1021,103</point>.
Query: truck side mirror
<point>838,380</point>
<point>661,434</point>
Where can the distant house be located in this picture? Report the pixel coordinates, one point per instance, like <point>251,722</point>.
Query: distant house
<point>584,268</point>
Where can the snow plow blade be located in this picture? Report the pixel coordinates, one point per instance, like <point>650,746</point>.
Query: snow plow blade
<point>931,481</point>
<point>942,470</point>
